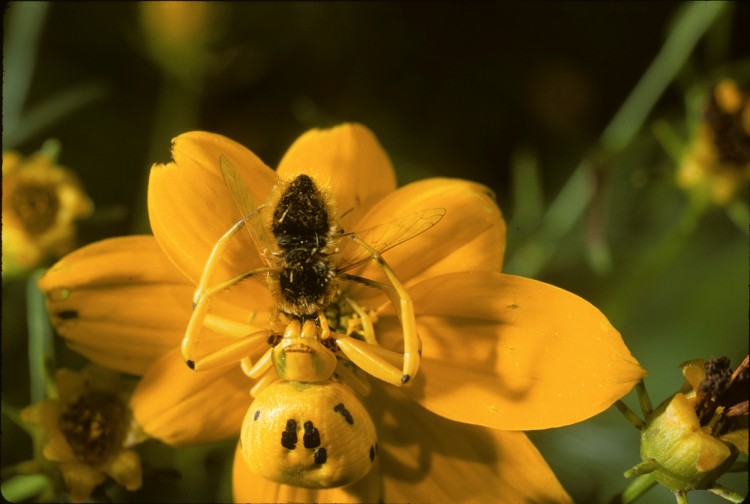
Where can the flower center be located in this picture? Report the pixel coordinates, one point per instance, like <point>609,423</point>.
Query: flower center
<point>94,426</point>
<point>36,206</point>
<point>344,318</point>
<point>722,395</point>
<point>725,116</point>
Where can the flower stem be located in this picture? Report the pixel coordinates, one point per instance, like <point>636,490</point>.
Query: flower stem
<point>643,399</point>
<point>689,26</point>
<point>41,345</point>
<point>681,496</point>
<point>726,493</point>
<point>19,58</point>
<point>637,487</point>
<point>629,415</point>
<point>645,467</point>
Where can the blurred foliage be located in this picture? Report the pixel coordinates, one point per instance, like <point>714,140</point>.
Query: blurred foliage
<point>568,111</point>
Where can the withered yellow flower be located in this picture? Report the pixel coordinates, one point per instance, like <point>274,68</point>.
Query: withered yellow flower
<point>500,353</point>
<point>41,203</point>
<point>88,430</point>
<point>716,163</point>
<point>695,436</point>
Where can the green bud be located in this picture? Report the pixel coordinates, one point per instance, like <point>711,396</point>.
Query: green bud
<point>686,455</point>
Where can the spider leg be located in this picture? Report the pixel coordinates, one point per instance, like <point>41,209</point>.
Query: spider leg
<point>201,303</point>
<point>257,370</point>
<point>214,258</point>
<point>375,360</point>
<point>405,311</point>
<point>368,331</point>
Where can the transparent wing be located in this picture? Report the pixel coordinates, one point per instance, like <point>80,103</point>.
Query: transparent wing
<point>390,234</point>
<point>252,214</point>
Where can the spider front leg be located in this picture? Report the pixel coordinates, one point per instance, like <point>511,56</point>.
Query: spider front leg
<point>368,355</point>
<point>251,342</point>
<point>235,351</point>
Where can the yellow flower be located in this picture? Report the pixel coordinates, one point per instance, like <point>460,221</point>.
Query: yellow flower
<point>87,430</point>
<point>717,162</point>
<point>41,202</point>
<point>500,353</point>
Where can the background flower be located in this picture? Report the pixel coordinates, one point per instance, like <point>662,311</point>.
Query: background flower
<point>88,431</point>
<point>41,203</point>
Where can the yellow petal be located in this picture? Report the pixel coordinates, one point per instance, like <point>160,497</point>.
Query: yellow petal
<point>190,206</point>
<point>43,413</point>
<point>183,407</point>
<point>694,372</point>
<point>46,414</point>
<point>249,487</point>
<point>126,469</point>
<point>80,480</point>
<point>57,448</point>
<point>427,458</point>
<point>738,438</point>
<point>512,353</point>
<point>469,237</point>
<point>70,385</point>
<point>120,302</point>
<point>349,160</point>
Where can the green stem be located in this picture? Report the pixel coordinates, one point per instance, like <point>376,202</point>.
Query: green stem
<point>680,496</point>
<point>41,344</point>
<point>643,399</point>
<point>726,493</point>
<point>629,415</point>
<point>690,26</point>
<point>637,487</point>
<point>19,58</point>
<point>645,467</point>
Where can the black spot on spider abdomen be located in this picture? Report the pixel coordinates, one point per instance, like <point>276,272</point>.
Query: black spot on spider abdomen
<point>341,409</point>
<point>289,436</point>
<point>320,456</point>
<point>311,438</point>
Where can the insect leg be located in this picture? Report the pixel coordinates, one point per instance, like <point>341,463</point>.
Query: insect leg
<point>405,311</point>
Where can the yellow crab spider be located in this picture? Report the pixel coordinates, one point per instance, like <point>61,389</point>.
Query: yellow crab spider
<point>296,237</point>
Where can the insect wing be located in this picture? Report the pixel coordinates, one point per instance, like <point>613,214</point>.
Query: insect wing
<point>390,234</point>
<point>251,214</point>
